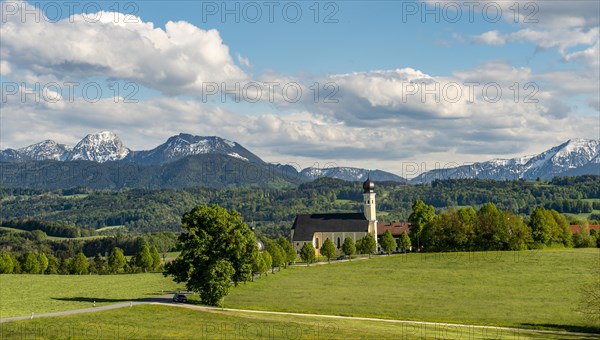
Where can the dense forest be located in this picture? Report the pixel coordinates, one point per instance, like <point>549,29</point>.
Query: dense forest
<point>272,211</point>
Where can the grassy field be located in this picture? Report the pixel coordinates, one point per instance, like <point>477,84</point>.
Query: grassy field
<point>162,322</point>
<point>23,294</point>
<point>76,196</point>
<point>112,228</point>
<point>12,230</point>
<point>55,238</point>
<point>537,289</point>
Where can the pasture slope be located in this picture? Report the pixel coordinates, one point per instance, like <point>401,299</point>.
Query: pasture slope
<point>471,291</point>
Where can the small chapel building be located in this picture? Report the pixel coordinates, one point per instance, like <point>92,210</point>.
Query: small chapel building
<point>316,228</point>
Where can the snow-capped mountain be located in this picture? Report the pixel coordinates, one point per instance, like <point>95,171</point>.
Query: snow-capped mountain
<point>106,146</point>
<point>184,145</point>
<point>47,149</point>
<point>350,174</point>
<point>574,157</point>
<point>99,147</point>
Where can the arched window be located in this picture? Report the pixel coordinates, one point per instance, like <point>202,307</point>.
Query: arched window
<point>338,242</point>
<point>317,243</point>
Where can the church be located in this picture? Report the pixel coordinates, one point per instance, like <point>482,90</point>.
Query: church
<point>316,228</point>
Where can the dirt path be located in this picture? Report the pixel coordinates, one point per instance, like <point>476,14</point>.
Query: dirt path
<point>161,299</point>
<point>165,300</point>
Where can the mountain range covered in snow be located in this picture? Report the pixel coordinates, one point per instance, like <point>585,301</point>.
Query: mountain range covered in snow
<point>574,157</point>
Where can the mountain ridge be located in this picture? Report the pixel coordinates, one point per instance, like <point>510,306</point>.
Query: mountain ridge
<point>574,157</point>
<point>577,153</point>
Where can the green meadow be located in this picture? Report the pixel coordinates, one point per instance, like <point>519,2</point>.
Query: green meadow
<point>22,294</point>
<point>167,322</point>
<point>532,289</point>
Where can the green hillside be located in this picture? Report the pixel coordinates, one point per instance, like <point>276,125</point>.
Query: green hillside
<point>532,289</point>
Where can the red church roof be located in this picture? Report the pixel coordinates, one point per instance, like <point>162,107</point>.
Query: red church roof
<point>577,228</point>
<point>396,228</point>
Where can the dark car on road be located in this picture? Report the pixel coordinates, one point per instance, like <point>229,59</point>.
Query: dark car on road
<point>179,298</point>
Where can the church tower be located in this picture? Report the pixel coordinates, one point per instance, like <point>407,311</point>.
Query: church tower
<point>370,211</point>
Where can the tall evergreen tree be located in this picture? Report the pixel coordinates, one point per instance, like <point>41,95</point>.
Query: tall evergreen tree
<point>156,261</point>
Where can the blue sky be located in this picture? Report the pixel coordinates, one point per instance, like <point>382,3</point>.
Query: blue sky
<point>372,53</point>
<point>388,32</point>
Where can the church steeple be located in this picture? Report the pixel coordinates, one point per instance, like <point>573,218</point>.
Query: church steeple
<point>370,208</point>
<point>369,199</point>
<point>368,186</point>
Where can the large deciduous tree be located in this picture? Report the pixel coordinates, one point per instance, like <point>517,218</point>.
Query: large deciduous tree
<point>491,229</point>
<point>217,248</point>
<point>421,214</point>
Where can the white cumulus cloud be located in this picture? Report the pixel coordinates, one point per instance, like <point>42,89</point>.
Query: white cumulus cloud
<point>177,59</point>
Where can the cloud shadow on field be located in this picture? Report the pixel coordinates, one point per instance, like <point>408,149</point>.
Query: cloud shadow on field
<point>594,330</point>
<point>108,300</point>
